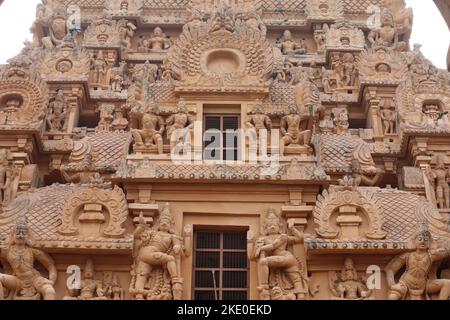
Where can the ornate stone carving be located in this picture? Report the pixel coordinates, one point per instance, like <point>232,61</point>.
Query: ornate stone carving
<point>295,135</point>
<point>124,7</point>
<point>222,54</point>
<point>25,282</point>
<point>66,64</point>
<point>94,210</point>
<point>324,10</point>
<point>103,32</point>
<point>387,35</point>
<point>158,42</point>
<point>381,65</point>
<point>413,283</point>
<point>348,204</point>
<point>343,36</point>
<point>151,126</point>
<point>89,287</point>
<point>347,284</point>
<point>279,271</point>
<point>58,113</point>
<point>288,46</point>
<point>179,125</point>
<point>438,178</point>
<point>157,256</point>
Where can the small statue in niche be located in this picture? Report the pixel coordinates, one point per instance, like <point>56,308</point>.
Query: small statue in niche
<point>106,117</point>
<point>434,117</point>
<point>127,30</point>
<point>118,77</point>
<point>414,283</point>
<point>112,287</point>
<point>57,113</point>
<point>388,118</point>
<point>320,36</point>
<point>26,283</point>
<point>179,125</point>
<point>341,121</point>
<point>347,285</point>
<point>159,41</point>
<point>99,68</point>
<point>120,122</point>
<point>346,71</point>
<point>291,129</point>
<point>152,125</point>
<point>276,265</point>
<point>324,117</point>
<point>289,46</point>
<point>258,120</point>
<point>438,178</point>
<point>90,288</point>
<point>156,271</point>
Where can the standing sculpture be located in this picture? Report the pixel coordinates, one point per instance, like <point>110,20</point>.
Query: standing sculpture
<point>156,270</point>
<point>276,265</point>
<point>25,282</point>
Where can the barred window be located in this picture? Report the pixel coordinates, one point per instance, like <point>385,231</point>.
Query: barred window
<point>220,265</point>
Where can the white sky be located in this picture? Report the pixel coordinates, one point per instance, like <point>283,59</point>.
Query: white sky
<point>430,30</point>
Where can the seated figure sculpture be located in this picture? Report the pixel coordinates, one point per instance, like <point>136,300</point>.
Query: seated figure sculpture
<point>274,259</point>
<point>289,46</point>
<point>291,129</point>
<point>25,282</point>
<point>387,35</point>
<point>152,127</point>
<point>90,288</point>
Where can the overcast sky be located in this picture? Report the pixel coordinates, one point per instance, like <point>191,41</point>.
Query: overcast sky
<point>430,30</point>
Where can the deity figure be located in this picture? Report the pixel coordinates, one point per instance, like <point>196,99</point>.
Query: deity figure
<point>324,117</point>
<point>292,130</point>
<point>57,26</point>
<point>389,118</point>
<point>275,263</point>
<point>57,113</point>
<point>179,125</point>
<point>347,285</point>
<point>25,282</point>
<point>118,77</point>
<point>106,117</point>
<point>99,68</point>
<point>438,178</point>
<point>159,41</point>
<point>112,287</point>
<point>414,283</point>
<point>387,35</point>
<point>196,19</point>
<point>341,120</point>
<point>119,122</point>
<point>158,255</point>
<point>127,30</point>
<point>11,183</point>
<point>320,37</point>
<point>257,119</point>
<point>289,46</point>
<point>346,70</point>
<point>152,124</point>
<point>90,288</point>
<point>403,16</point>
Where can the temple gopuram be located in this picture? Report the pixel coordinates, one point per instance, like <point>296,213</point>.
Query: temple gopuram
<point>224,150</point>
